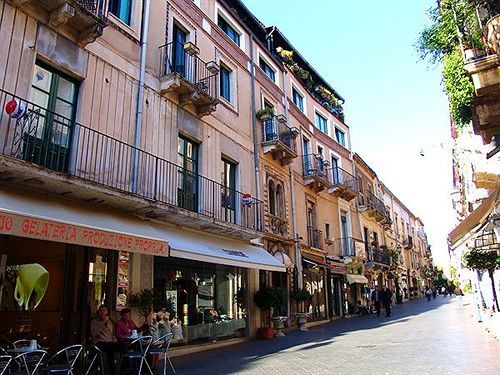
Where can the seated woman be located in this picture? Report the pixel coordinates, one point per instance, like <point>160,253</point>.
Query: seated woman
<point>125,326</point>
<point>101,332</point>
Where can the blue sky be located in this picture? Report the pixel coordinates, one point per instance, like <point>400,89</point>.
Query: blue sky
<point>395,105</point>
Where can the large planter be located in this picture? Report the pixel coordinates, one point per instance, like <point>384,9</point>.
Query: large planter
<point>265,333</point>
<point>279,325</point>
<point>302,320</point>
<point>493,33</point>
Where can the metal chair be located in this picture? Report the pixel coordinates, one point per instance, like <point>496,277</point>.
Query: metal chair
<point>22,343</point>
<point>64,360</point>
<point>30,362</point>
<point>95,359</point>
<point>5,361</point>
<point>161,346</point>
<point>137,350</point>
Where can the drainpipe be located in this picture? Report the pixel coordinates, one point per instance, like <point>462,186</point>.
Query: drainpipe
<point>254,133</point>
<point>140,92</point>
<point>298,257</point>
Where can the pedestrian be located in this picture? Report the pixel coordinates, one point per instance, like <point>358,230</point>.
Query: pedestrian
<point>387,300</point>
<point>377,295</point>
<point>459,294</point>
<point>434,292</point>
<point>428,293</point>
<point>479,305</point>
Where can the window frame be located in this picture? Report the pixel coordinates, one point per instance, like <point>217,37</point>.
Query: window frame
<point>337,132</point>
<point>319,115</point>
<point>224,67</point>
<point>117,16</point>
<point>267,69</point>
<point>302,99</point>
<point>220,12</point>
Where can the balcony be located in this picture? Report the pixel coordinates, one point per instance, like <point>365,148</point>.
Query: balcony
<point>379,257</point>
<point>348,247</point>
<point>279,140</point>
<point>314,238</point>
<point>193,81</point>
<point>344,185</point>
<point>408,243</point>
<point>373,206</point>
<point>277,225</point>
<point>315,172</point>
<point>83,19</point>
<point>43,150</point>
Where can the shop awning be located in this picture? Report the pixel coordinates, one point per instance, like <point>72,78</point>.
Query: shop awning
<point>356,279</point>
<point>213,249</point>
<point>333,267</point>
<point>49,219</point>
<point>475,219</point>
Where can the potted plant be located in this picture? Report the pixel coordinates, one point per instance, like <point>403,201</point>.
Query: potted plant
<point>144,301</point>
<point>264,114</point>
<point>302,296</point>
<point>268,299</point>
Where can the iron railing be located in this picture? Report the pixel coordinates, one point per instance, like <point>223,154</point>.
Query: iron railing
<point>342,177</point>
<point>315,166</point>
<point>275,130</point>
<point>314,237</point>
<point>346,246</point>
<point>381,256</point>
<point>175,60</point>
<point>95,7</point>
<point>408,242</point>
<point>55,142</point>
<point>368,199</point>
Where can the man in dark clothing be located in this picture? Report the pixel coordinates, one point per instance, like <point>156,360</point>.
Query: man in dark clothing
<point>387,300</point>
<point>377,297</point>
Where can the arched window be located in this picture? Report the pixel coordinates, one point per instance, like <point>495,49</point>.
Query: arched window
<point>280,201</point>
<point>272,198</point>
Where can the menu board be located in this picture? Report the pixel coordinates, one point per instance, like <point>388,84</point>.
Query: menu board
<point>123,280</point>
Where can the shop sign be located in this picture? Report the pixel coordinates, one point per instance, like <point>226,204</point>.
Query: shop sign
<point>40,229</point>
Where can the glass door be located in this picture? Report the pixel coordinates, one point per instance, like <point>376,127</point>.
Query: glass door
<point>187,184</point>
<point>335,170</point>
<point>47,129</point>
<point>178,54</point>
<point>228,192</point>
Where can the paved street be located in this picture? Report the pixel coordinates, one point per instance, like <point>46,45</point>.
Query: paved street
<point>420,338</point>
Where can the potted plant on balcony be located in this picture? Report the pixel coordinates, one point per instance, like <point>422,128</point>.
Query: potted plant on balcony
<point>268,300</point>
<point>302,297</point>
<point>264,114</point>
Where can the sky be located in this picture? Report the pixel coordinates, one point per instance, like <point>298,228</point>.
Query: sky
<point>395,106</point>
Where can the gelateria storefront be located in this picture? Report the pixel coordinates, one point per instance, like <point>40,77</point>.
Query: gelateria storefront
<point>59,261</point>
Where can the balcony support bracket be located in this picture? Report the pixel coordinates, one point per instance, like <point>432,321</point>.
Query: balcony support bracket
<point>61,15</point>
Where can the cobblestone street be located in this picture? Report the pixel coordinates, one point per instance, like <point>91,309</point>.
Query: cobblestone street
<point>420,338</point>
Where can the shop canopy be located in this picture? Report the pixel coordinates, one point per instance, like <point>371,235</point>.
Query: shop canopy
<point>356,279</point>
<point>204,247</point>
<point>335,268</point>
<point>475,220</point>
<point>51,220</point>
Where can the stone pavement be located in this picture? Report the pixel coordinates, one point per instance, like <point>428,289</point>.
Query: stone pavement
<point>420,338</point>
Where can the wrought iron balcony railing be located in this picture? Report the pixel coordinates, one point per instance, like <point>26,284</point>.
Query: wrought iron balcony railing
<point>274,130</point>
<point>371,202</point>
<point>314,238</point>
<point>95,7</point>
<point>408,242</point>
<point>36,135</point>
<point>175,59</point>
<point>315,166</point>
<point>380,256</point>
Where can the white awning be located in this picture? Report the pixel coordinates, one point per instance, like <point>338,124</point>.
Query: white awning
<point>45,218</point>
<point>213,249</point>
<point>356,279</point>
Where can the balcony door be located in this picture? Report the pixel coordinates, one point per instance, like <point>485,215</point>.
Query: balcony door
<point>335,170</point>
<point>178,54</point>
<point>46,130</point>
<point>271,133</point>
<point>187,181</point>
<point>344,233</point>
<point>228,191</point>
<point>308,157</point>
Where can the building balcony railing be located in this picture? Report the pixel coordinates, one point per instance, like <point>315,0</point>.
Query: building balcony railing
<point>314,238</point>
<point>193,80</point>
<point>344,184</point>
<point>379,256</point>
<point>408,242</point>
<point>84,19</point>
<point>346,246</point>
<point>49,140</point>
<point>279,139</point>
<point>369,203</point>
<point>315,171</point>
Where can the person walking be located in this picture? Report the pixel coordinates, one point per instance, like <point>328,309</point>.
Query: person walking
<point>377,296</point>
<point>459,294</point>
<point>428,293</point>
<point>387,300</point>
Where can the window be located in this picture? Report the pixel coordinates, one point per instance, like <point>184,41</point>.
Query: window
<point>228,196</point>
<point>229,30</point>
<point>225,83</point>
<point>327,231</point>
<point>298,99</point>
<point>321,123</point>
<point>335,170</point>
<point>339,134</point>
<point>121,9</point>
<point>187,181</point>
<point>276,199</point>
<point>268,71</point>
